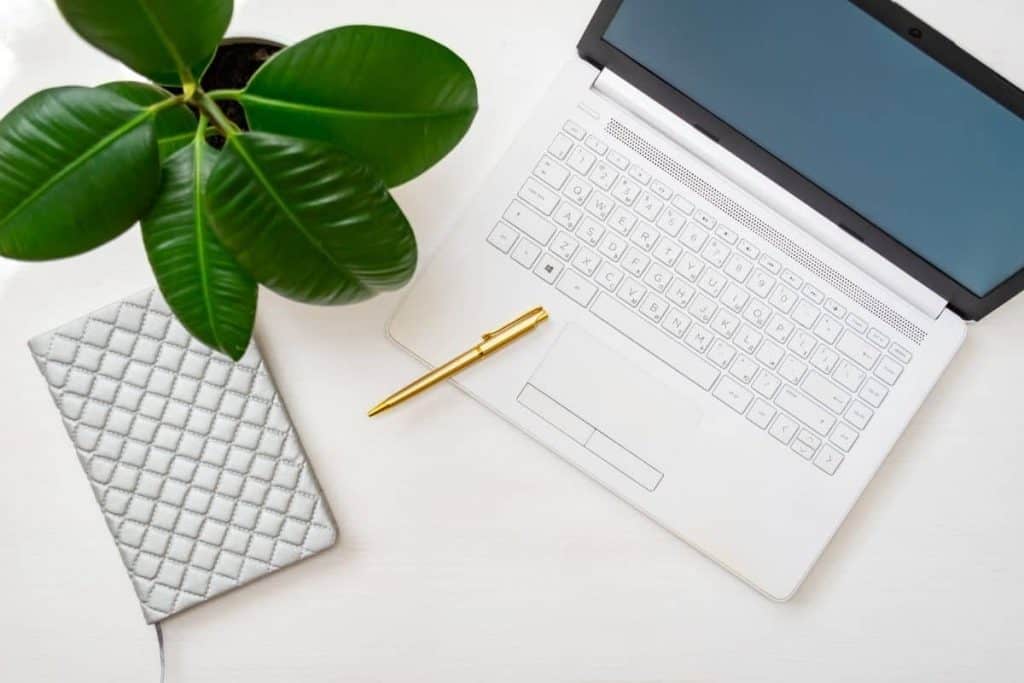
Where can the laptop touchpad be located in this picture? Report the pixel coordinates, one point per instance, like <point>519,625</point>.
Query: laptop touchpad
<point>602,400</point>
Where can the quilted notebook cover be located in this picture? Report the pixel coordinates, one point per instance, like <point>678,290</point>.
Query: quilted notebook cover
<point>193,458</point>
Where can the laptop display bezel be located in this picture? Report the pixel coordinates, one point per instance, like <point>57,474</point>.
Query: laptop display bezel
<point>908,27</point>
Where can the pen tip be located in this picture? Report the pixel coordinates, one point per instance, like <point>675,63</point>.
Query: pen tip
<point>379,408</point>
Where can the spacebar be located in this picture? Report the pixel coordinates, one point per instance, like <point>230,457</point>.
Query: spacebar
<point>680,359</point>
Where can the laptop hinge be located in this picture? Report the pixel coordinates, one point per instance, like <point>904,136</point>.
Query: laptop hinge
<point>767,191</point>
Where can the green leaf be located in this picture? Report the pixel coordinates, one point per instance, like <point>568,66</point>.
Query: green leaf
<point>168,41</point>
<point>395,100</point>
<point>78,166</point>
<point>207,290</point>
<point>175,126</point>
<point>308,221</point>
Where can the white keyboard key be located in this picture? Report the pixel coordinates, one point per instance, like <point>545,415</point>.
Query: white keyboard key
<point>703,308</point>
<point>757,312</point>
<point>578,190</point>
<point>726,234</point>
<point>644,236</point>
<point>529,222</point>
<point>648,206</point>
<point>856,324</point>
<point>551,172</point>
<point>608,276</point>
<point>586,261</point>
<point>603,175</point>
<point>677,357</point>
<point>888,370</point>
<point>683,204</point>
<point>596,145</point>
<point>693,236</point>
<point>502,237</point>
<point>548,268</point>
<point>770,264</point>
<point>544,199</point>
<point>743,369</point>
<point>626,191</point>
<point>814,294</point>
<point>675,322</point>
<point>699,338</point>
<point>738,268</point>
<point>901,354</point>
<point>560,146</point>
<point>873,392</point>
<point>835,308</point>
<point>680,293</point>
<point>600,206</point>
<point>860,351</point>
<point>805,410</point>
<point>828,329</point>
<point>617,160</point>
<point>749,250</point>
<point>761,283</point>
<point>784,428</point>
<point>639,174</point>
<point>734,298</point>
<point>704,219</point>
<point>712,282</point>
<point>635,261</point>
<point>783,298</point>
<point>733,395</point>
<point>802,449</point>
<point>844,437</point>
<point>792,279</point>
<point>770,354</point>
<point>564,246</point>
<point>576,288</point>
<point>661,189</point>
<point>859,415</point>
<point>761,414</point>
<point>792,370</point>
<point>667,251</point>
<point>721,354</point>
<point>808,438</point>
<point>826,393</point>
<point>622,220</point>
<point>828,460</point>
<point>725,323</point>
<point>849,375</point>
<point>632,292</point>
<point>689,266</point>
<point>805,313</point>
<point>654,307</point>
<point>824,359</point>
<point>802,344</point>
<point>574,129</point>
<point>747,339</point>
<point>878,339</point>
<point>716,252</point>
<point>612,247</point>
<point>525,253</point>
<point>590,231</point>
<point>580,160</point>
<point>779,329</point>
<point>657,277</point>
<point>567,215</point>
<point>766,384</point>
<point>671,222</point>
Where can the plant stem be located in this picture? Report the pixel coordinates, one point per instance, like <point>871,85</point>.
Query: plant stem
<point>217,95</point>
<point>166,104</point>
<point>217,116</point>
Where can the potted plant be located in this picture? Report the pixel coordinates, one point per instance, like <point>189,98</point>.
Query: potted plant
<point>296,198</point>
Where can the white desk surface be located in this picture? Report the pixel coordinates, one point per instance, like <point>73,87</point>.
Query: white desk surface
<point>468,552</point>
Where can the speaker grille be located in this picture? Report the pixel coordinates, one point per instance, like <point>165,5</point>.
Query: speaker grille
<point>777,239</point>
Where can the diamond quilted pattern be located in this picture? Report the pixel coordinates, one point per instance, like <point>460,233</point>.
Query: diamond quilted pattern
<point>193,458</point>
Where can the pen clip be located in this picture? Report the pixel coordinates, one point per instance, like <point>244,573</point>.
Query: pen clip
<point>493,333</point>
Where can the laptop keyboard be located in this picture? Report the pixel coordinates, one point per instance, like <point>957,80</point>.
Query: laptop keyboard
<point>707,298</point>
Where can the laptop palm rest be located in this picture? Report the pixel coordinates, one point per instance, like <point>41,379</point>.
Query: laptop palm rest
<point>609,405</point>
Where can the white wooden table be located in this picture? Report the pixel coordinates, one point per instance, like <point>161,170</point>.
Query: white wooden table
<point>467,552</point>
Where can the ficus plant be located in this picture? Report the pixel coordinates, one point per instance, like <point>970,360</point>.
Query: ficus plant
<point>297,201</point>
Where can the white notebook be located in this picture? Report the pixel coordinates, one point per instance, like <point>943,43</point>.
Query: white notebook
<point>193,459</point>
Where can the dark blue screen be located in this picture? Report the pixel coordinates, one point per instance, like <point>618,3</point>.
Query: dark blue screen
<point>863,114</point>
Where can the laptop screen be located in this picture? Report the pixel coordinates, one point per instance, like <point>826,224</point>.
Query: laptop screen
<point>863,114</point>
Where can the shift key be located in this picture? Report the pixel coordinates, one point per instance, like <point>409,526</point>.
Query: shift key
<point>805,410</point>
<point>530,223</point>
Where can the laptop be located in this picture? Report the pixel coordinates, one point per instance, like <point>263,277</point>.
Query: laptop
<point>760,230</point>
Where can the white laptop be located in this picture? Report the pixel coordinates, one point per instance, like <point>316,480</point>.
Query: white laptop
<point>759,229</point>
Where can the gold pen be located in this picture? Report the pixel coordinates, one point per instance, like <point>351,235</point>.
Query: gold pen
<point>492,341</point>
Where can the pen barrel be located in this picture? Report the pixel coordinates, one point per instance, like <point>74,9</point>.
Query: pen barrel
<point>436,376</point>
